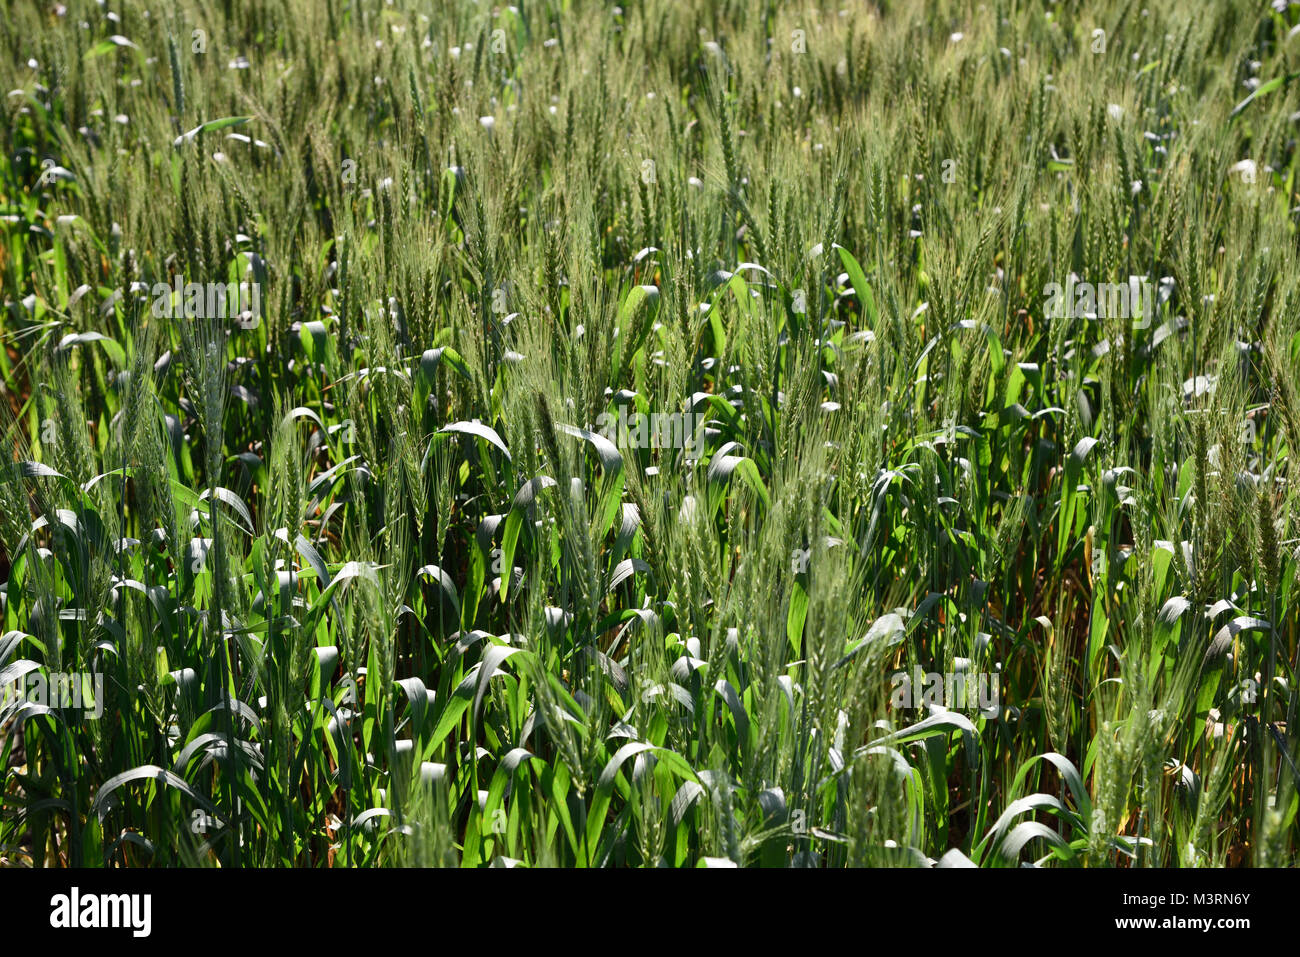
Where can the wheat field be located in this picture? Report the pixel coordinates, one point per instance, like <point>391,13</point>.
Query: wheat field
<point>677,434</point>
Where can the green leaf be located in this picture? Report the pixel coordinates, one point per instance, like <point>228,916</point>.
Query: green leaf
<point>478,430</point>
<point>1277,83</point>
<point>209,127</point>
<point>100,806</point>
<point>861,288</point>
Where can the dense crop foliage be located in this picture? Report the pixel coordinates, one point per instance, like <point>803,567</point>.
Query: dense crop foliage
<point>366,575</point>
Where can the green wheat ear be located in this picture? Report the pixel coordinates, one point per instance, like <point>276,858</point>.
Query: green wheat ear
<point>178,81</point>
